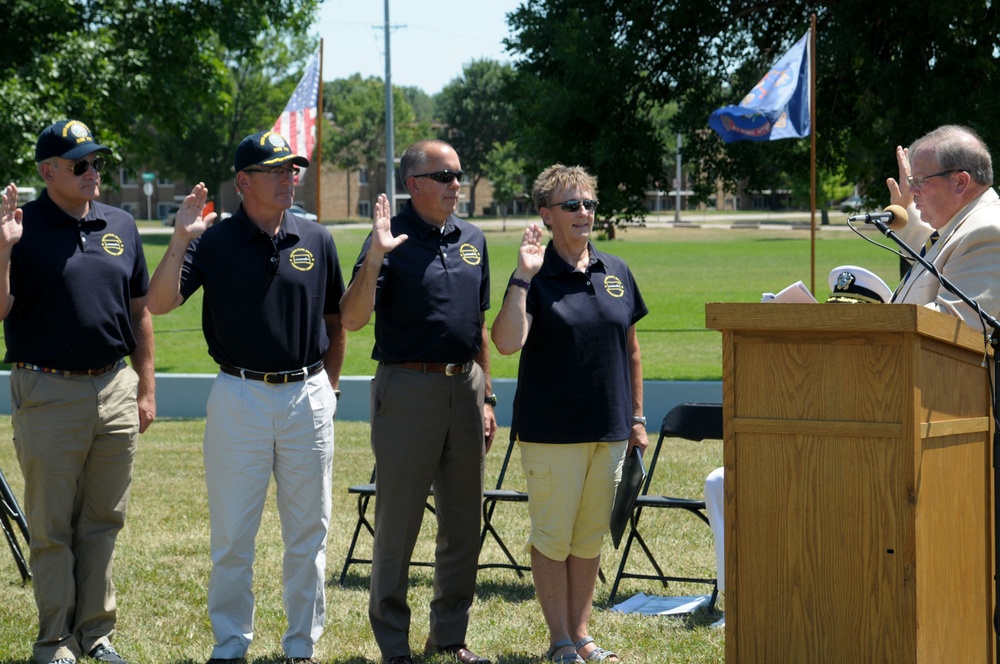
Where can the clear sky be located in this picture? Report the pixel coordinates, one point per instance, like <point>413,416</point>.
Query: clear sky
<point>429,45</point>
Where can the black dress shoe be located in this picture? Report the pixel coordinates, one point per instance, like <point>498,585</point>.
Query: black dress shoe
<point>459,652</point>
<point>401,659</point>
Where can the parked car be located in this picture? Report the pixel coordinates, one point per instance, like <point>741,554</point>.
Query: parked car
<point>171,216</point>
<point>852,204</point>
<point>300,211</point>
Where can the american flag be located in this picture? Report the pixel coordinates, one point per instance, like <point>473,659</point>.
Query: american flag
<point>297,123</point>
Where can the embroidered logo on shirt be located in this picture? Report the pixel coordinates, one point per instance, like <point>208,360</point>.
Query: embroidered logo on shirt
<point>302,259</point>
<point>470,254</point>
<point>614,286</point>
<point>113,244</point>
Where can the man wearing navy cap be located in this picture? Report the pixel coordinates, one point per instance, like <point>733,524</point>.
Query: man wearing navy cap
<point>73,302</point>
<point>425,274</point>
<point>271,317</point>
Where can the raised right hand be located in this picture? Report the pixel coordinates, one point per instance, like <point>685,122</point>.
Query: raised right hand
<point>382,240</point>
<point>531,254</point>
<point>899,191</point>
<point>189,221</point>
<point>10,218</point>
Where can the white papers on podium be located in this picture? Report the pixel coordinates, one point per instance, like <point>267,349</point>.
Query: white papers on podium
<point>797,293</point>
<point>651,605</point>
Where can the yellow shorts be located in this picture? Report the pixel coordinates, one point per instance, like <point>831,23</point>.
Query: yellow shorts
<point>571,488</point>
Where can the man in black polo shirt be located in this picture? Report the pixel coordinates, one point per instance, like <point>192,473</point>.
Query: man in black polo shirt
<point>271,318</point>
<point>73,302</point>
<point>426,274</point>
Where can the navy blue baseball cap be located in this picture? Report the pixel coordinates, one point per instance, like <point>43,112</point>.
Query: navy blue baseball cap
<point>69,139</point>
<point>265,148</point>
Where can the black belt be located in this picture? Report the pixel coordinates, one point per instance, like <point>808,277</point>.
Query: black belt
<point>274,377</point>
<point>448,369</point>
<point>99,371</point>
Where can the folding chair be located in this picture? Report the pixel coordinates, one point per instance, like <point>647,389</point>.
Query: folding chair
<point>690,421</point>
<point>11,511</point>
<point>365,493</point>
<point>500,495</point>
<point>490,499</point>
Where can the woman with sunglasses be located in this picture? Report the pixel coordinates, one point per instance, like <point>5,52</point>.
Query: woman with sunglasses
<point>571,311</point>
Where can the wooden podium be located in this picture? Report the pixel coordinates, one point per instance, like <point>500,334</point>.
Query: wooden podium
<point>858,494</point>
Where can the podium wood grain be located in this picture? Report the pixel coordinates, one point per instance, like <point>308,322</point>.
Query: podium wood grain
<point>858,497</point>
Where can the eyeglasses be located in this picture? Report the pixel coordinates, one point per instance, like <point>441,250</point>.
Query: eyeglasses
<point>80,167</point>
<point>917,183</point>
<point>572,205</point>
<point>280,172</point>
<point>444,177</point>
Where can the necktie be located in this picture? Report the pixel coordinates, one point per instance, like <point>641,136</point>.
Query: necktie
<point>923,252</point>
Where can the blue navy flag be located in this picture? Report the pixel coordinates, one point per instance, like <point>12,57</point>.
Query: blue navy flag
<point>776,108</point>
<point>297,123</point>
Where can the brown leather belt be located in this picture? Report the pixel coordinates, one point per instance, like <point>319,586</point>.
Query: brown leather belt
<point>274,377</point>
<point>448,369</point>
<point>99,371</point>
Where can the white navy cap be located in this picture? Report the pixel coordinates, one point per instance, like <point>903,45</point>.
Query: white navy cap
<point>856,285</point>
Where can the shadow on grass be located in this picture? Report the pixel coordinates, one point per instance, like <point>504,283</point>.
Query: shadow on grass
<point>17,661</point>
<point>487,587</point>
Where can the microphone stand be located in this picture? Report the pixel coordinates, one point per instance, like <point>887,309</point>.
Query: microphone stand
<point>994,341</point>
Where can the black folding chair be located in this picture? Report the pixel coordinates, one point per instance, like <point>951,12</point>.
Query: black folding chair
<point>690,421</point>
<point>490,499</point>
<point>365,493</point>
<point>10,511</point>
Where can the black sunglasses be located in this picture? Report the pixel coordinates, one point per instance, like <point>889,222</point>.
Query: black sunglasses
<point>572,205</point>
<point>80,167</point>
<point>294,170</point>
<point>444,177</point>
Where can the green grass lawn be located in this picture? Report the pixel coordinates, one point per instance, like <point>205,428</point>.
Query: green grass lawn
<point>162,565</point>
<point>678,271</point>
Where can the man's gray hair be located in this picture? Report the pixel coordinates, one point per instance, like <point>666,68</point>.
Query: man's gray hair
<point>958,148</point>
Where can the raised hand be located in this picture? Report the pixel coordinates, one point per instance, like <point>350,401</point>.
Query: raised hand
<point>899,191</point>
<point>189,221</point>
<point>382,240</point>
<point>10,218</point>
<point>531,254</point>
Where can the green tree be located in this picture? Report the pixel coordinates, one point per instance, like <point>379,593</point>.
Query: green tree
<point>423,104</point>
<point>131,69</point>
<point>585,97</point>
<point>886,74</point>
<point>476,109</point>
<point>504,167</point>
<point>356,135</point>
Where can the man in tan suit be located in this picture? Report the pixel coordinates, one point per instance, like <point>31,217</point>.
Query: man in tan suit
<point>945,182</point>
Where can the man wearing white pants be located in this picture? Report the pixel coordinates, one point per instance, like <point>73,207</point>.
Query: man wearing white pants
<point>715,506</point>
<point>272,285</point>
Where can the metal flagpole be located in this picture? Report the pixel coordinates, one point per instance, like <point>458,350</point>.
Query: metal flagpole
<point>319,139</point>
<point>812,149</point>
<point>390,148</point>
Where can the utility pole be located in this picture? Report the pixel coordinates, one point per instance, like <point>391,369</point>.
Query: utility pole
<point>677,187</point>
<point>390,148</point>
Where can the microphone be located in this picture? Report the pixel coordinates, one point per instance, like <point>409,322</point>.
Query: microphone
<point>894,217</point>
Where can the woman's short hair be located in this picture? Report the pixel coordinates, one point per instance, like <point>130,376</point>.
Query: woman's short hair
<point>558,177</point>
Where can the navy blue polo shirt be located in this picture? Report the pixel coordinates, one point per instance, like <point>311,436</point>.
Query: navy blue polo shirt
<point>574,379</point>
<point>265,299</point>
<point>431,291</point>
<point>73,282</point>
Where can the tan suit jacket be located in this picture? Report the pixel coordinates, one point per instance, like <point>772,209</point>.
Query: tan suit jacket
<point>967,254</point>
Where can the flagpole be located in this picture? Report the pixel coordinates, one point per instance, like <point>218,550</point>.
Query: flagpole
<point>812,147</point>
<point>319,138</point>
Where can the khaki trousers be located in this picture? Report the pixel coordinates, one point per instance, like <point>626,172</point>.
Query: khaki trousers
<point>75,439</point>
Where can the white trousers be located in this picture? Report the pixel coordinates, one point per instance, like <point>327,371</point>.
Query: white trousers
<point>254,430</point>
<point>715,502</point>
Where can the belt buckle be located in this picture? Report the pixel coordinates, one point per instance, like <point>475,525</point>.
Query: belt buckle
<point>275,378</point>
<point>453,369</point>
